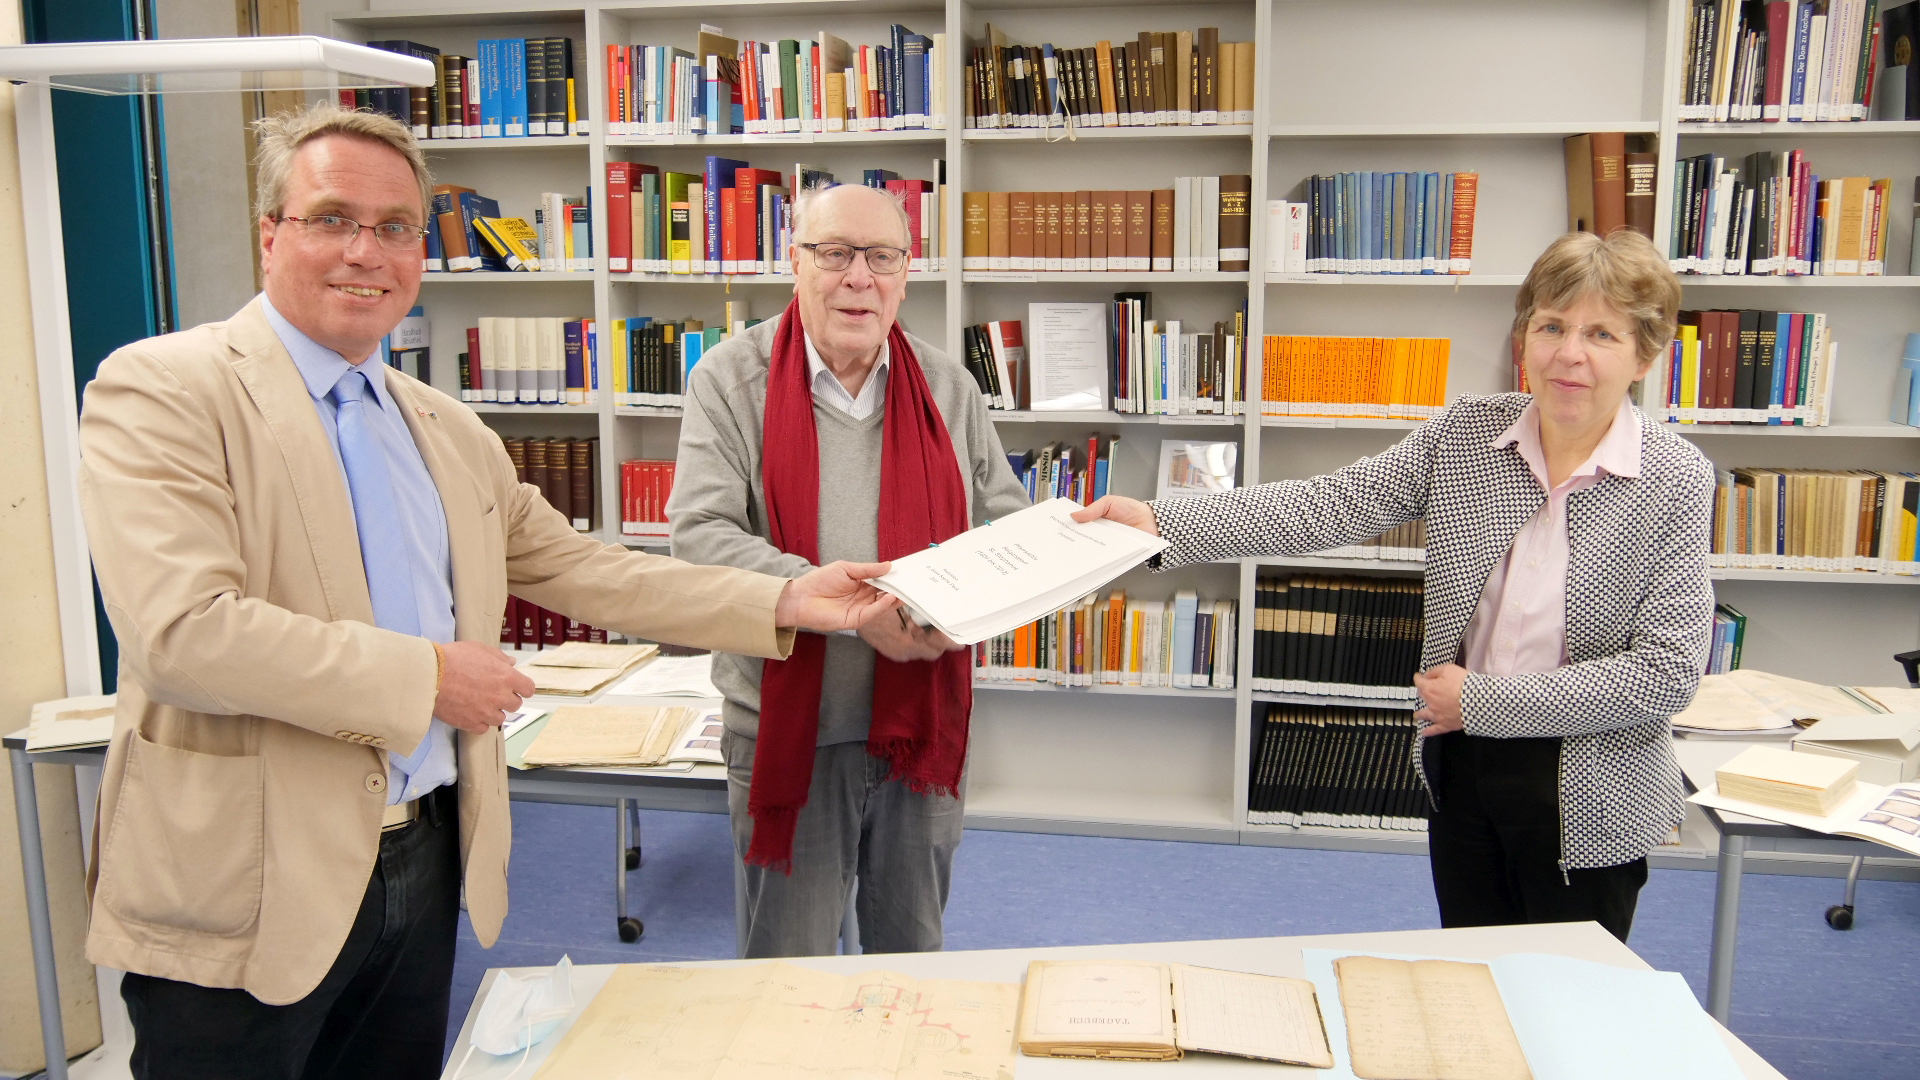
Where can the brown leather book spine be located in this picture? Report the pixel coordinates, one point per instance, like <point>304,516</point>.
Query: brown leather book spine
<point>974,244</point>
<point>1609,181</point>
<point>1046,230</point>
<point>1097,230</point>
<point>1207,102</point>
<point>1729,357</point>
<point>1642,174</point>
<point>537,465</point>
<point>1466,199</point>
<point>1123,84</point>
<point>999,230</point>
<point>1082,230</point>
<point>1139,230</point>
<point>517,453</point>
<point>1162,241</point>
<point>560,476</point>
<point>1144,52</point>
<point>580,476</point>
<point>1236,192</point>
<point>1117,231</point>
<point>1020,229</point>
<point>1579,154</point>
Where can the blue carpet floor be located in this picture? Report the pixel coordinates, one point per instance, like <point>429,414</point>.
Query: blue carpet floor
<point>1818,1004</point>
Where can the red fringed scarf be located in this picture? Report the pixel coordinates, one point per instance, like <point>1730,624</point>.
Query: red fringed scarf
<point>920,709</point>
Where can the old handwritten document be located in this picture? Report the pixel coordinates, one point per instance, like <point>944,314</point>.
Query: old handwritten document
<point>1145,1011</point>
<point>1427,1020</point>
<point>780,1021</point>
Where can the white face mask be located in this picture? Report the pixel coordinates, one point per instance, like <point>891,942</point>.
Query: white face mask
<point>521,1010</point>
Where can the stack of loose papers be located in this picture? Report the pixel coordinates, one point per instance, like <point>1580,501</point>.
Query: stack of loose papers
<point>1753,702</point>
<point>581,668</point>
<point>1010,572</point>
<point>1803,783</point>
<point>1885,814</point>
<point>671,676</point>
<point>609,735</point>
<point>71,723</point>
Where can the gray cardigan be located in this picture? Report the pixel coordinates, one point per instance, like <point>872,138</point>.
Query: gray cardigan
<point>1639,603</point>
<point>718,511</point>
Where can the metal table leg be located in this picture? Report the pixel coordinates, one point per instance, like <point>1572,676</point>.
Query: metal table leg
<point>46,980</point>
<point>1726,925</point>
<point>629,929</point>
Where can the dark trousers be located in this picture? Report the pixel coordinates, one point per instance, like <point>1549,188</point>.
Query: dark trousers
<point>379,1014</point>
<point>1495,841</point>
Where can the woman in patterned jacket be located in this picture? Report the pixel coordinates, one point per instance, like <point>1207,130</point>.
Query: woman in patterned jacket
<point>1568,611</point>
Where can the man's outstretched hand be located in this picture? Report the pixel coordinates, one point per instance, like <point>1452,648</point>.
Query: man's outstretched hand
<point>478,686</point>
<point>834,597</point>
<point>1123,510</point>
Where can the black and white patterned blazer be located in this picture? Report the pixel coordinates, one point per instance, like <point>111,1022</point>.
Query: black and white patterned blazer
<point>1639,604</point>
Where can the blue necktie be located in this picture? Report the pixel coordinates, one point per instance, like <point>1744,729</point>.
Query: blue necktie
<point>376,514</point>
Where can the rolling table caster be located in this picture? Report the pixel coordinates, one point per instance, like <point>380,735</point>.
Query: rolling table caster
<point>1840,916</point>
<point>633,821</point>
<point>629,928</point>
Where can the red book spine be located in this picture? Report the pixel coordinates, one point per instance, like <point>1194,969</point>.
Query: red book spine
<point>347,100</point>
<point>510,623</point>
<point>729,222</point>
<point>619,216</point>
<point>475,382</point>
<point>470,89</point>
<point>1777,34</point>
<point>750,75</point>
<point>553,628</point>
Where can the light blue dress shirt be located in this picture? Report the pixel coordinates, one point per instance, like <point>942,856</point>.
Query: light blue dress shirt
<point>424,522</point>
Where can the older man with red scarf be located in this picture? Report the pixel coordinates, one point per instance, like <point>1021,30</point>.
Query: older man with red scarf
<point>831,433</point>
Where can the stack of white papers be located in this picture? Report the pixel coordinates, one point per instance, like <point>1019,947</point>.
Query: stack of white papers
<point>1012,571</point>
<point>670,676</point>
<point>71,723</point>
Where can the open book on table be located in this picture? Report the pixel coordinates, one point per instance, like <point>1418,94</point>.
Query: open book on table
<point>1747,701</point>
<point>1139,1010</point>
<point>1883,813</point>
<point>1014,570</point>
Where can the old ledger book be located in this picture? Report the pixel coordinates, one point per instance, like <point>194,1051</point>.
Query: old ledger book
<point>1144,1011</point>
<point>1009,572</point>
<point>779,1021</point>
<point>609,735</point>
<point>1427,1020</point>
<point>580,668</point>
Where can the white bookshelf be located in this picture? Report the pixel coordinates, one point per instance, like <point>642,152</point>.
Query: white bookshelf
<point>1173,763</point>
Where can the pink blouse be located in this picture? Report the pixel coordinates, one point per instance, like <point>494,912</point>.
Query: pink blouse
<point>1520,626</point>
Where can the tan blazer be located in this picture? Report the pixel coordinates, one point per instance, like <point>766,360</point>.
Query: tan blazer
<point>240,811</point>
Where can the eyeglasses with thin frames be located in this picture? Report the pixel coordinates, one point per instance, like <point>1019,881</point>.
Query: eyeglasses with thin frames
<point>1607,338</point>
<point>880,259</point>
<point>393,235</point>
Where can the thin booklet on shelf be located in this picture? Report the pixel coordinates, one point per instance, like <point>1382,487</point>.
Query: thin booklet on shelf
<point>1009,572</point>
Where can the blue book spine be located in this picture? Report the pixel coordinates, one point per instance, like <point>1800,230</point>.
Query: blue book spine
<point>1797,77</point>
<point>436,248</point>
<point>491,125</point>
<point>576,350</point>
<point>478,206</point>
<point>1430,221</point>
<point>719,177</point>
<point>1338,251</point>
<point>1377,217</point>
<point>513,77</point>
<point>1100,469</point>
<point>1677,358</point>
<point>695,347</point>
<point>593,360</point>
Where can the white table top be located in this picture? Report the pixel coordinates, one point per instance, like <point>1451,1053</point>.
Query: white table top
<point>1271,956</point>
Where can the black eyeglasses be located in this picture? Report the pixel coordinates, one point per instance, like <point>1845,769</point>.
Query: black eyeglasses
<point>393,235</point>
<point>880,260</point>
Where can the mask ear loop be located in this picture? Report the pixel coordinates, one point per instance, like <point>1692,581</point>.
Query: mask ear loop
<point>525,1053</point>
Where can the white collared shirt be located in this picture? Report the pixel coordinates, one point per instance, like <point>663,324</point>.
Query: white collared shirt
<point>829,390</point>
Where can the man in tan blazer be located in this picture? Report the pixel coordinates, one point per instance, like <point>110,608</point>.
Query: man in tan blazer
<point>306,557</point>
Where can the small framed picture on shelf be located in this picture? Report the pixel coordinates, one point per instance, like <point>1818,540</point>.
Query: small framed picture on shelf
<point>1188,469</point>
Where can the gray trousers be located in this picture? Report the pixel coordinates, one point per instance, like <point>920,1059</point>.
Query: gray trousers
<point>856,821</point>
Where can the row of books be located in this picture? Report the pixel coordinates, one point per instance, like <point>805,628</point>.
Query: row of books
<point>1395,378</point>
<point>1380,223</point>
<point>1402,543</point>
<point>728,86</point>
<point>732,218</point>
<point>1339,636</point>
<point>1612,178</point>
<point>1065,470</point>
<point>1780,60</point>
<point>645,487</point>
<point>466,232</point>
<point>1200,224</point>
<point>1185,642</point>
<point>564,471</point>
<point>652,358</point>
<point>1185,77</point>
<point>1336,767</point>
<point>1771,214</point>
<point>1729,639</point>
<point>515,87</point>
<point>531,360</point>
<point>527,625</point>
<point>1853,520</point>
<point>1746,367</point>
